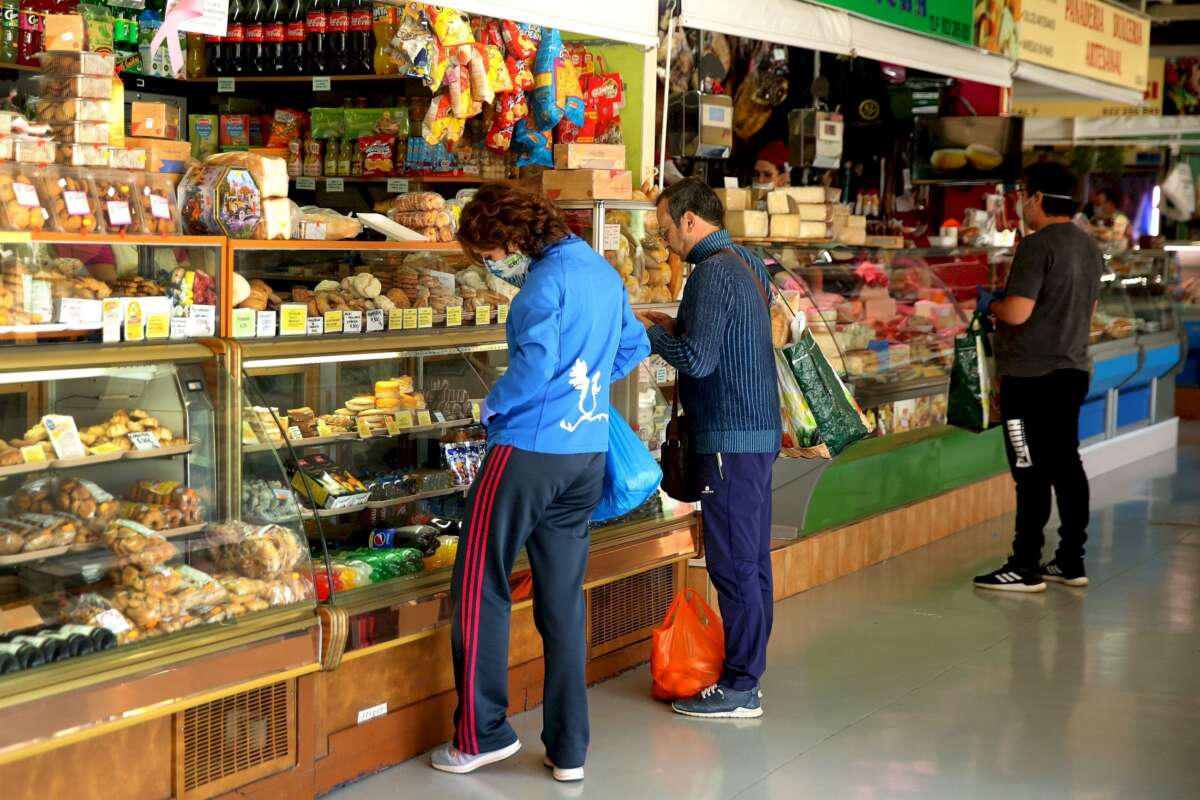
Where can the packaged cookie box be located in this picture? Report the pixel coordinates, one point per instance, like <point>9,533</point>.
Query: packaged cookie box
<point>118,201</point>
<point>22,207</point>
<point>83,155</point>
<point>64,111</point>
<point>81,133</point>
<point>33,150</point>
<point>65,63</point>
<point>156,197</point>
<point>62,87</point>
<point>72,201</point>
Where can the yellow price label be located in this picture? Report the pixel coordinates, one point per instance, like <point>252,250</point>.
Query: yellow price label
<point>33,454</point>
<point>483,315</point>
<point>135,331</point>
<point>410,319</point>
<point>392,427</point>
<point>475,411</point>
<point>453,316</point>
<point>423,418</point>
<point>363,428</point>
<point>395,319</point>
<point>502,313</point>
<point>293,319</point>
<point>158,326</point>
<point>425,317</point>
<point>404,419</point>
<point>333,321</point>
<point>103,449</point>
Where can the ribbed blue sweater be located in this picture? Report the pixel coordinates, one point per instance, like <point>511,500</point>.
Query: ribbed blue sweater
<point>722,349</point>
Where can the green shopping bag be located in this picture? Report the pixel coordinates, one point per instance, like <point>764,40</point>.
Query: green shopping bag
<point>974,400</point>
<point>839,419</point>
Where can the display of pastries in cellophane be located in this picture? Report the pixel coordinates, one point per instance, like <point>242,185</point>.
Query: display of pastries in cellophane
<point>645,264</point>
<point>115,431</point>
<point>426,213</point>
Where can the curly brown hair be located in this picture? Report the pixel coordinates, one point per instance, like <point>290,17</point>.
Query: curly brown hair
<point>500,214</point>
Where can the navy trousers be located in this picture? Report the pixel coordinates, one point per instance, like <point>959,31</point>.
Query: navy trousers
<point>736,503</point>
<point>542,503</point>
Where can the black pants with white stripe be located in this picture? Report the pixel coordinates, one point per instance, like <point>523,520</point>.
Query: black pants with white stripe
<point>1041,426</point>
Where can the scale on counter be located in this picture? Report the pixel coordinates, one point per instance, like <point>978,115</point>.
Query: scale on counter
<point>700,125</point>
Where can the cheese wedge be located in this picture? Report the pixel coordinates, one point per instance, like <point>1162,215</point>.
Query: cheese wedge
<point>747,224</point>
<point>813,213</point>
<point>735,199</point>
<point>780,202</point>
<point>790,226</point>
<point>813,195</point>
<point>856,222</point>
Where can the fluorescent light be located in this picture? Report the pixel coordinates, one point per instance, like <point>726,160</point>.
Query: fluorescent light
<point>1155,219</point>
<point>36,376</point>
<point>300,361</point>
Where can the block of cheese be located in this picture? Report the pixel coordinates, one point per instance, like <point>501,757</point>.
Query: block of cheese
<point>856,222</point>
<point>813,213</point>
<point>780,202</point>
<point>735,199</point>
<point>855,236</point>
<point>747,224</point>
<point>813,195</point>
<point>790,226</point>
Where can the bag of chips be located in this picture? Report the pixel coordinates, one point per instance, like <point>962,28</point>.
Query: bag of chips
<point>556,91</point>
<point>534,145</point>
<point>379,155</point>
<point>287,125</point>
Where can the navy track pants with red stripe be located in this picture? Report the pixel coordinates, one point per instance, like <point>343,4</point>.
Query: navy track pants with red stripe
<point>543,503</point>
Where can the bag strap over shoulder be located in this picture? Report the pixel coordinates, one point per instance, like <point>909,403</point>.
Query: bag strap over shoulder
<point>757,283</point>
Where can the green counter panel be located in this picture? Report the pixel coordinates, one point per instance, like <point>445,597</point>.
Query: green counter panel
<point>876,475</point>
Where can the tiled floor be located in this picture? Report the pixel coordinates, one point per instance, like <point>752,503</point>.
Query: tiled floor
<point>903,681</point>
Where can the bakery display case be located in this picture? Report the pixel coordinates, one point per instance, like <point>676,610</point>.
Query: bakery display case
<point>64,287</point>
<point>123,551</point>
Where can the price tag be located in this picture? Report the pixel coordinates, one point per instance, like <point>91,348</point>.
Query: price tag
<point>395,185</point>
<point>118,213</point>
<point>352,321</point>
<point>661,375</point>
<point>158,326</point>
<point>502,313</point>
<point>333,321</point>
<point>202,320</point>
<point>243,323</point>
<point>395,319</point>
<point>160,208</point>
<point>363,427</point>
<point>104,449</point>
<point>425,317</point>
<point>143,440</point>
<point>135,331</point>
<point>410,319</point>
<point>313,231</point>
<point>266,323</point>
<point>64,436</point>
<point>423,418</point>
<point>392,428</point>
<point>439,416</point>
<point>404,419</point>
<point>294,433</point>
<point>612,238</point>
<point>293,319</point>
<point>226,85</point>
<point>33,454</point>
<point>483,315</point>
<point>376,318</point>
<point>316,326</point>
<point>475,411</point>
<point>179,328</point>
<point>335,185</point>
<point>306,183</point>
<point>453,316</point>
<point>26,195</point>
<point>321,83</point>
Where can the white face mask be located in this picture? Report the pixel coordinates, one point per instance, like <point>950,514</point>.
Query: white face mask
<point>513,268</point>
<point>763,187</point>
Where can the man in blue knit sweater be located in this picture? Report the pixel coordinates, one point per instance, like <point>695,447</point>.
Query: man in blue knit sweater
<point>720,342</point>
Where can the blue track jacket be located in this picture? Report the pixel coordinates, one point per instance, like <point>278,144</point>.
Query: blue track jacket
<point>571,333</point>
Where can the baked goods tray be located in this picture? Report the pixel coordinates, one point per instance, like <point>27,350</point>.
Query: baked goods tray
<point>159,452</point>
<point>52,552</point>
<point>87,461</point>
<point>33,555</point>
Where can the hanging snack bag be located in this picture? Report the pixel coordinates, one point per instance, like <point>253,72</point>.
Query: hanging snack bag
<point>440,124</point>
<point>452,27</point>
<point>522,40</point>
<point>520,73</point>
<point>556,85</point>
<point>509,108</point>
<point>534,145</point>
<point>413,48</point>
<point>498,75</point>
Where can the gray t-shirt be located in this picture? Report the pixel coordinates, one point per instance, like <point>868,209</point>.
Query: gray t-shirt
<point>1059,268</point>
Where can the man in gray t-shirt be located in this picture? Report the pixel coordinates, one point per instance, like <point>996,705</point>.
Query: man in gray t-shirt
<point>1043,317</point>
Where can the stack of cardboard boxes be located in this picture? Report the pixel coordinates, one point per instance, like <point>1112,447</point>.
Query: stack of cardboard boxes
<point>155,128</point>
<point>588,172</point>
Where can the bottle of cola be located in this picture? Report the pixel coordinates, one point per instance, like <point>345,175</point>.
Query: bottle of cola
<point>215,47</point>
<point>274,38</point>
<point>293,38</point>
<point>362,39</point>
<point>235,39</point>
<point>316,36</point>
<point>254,58</point>
<point>339,37</point>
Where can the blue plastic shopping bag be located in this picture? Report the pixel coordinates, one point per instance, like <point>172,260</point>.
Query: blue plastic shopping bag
<point>631,475</point>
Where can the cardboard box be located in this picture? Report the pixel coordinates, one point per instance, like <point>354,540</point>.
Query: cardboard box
<point>163,155</point>
<point>159,120</point>
<point>62,32</point>
<point>589,156</point>
<point>202,134</point>
<point>587,184</point>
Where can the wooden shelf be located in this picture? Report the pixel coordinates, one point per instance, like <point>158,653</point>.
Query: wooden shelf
<point>51,237</point>
<point>20,67</point>
<point>321,441</point>
<point>295,78</point>
<point>410,178</point>
<point>345,244</point>
<point>326,513</point>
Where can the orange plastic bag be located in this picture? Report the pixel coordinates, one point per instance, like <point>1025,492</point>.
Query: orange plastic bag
<point>688,649</point>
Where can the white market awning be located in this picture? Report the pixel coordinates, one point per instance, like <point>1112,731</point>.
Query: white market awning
<point>629,21</point>
<point>1042,83</point>
<point>1146,130</point>
<point>896,46</point>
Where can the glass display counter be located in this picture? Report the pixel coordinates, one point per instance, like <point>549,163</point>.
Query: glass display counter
<point>626,234</point>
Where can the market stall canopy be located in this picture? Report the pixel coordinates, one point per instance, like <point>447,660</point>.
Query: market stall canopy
<point>1110,130</point>
<point>829,30</point>
<point>629,21</point>
<point>1035,82</point>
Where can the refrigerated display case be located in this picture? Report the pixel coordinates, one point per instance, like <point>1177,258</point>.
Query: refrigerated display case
<point>626,233</point>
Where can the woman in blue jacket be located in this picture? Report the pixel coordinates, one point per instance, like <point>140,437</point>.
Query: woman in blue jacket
<point>571,333</point>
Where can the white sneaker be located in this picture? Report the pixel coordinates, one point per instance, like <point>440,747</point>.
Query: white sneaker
<point>564,775</point>
<point>448,758</point>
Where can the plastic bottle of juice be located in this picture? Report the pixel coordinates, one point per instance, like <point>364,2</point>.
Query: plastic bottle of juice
<point>384,25</point>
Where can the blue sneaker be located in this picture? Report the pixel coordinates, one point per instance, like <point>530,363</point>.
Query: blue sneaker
<point>721,702</point>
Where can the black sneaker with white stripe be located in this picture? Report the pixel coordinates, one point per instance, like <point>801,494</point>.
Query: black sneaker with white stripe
<point>1064,573</point>
<point>1011,578</point>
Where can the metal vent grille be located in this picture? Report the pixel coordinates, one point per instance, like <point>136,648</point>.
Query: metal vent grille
<point>631,604</point>
<point>250,732</point>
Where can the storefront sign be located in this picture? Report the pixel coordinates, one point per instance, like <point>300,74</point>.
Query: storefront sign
<point>1086,37</point>
<point>941,19</point>
<point>996,26</point>
<point>1151,105</point>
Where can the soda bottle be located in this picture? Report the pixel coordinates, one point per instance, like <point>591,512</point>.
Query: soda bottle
<point>255,33</point>
<point>235,39</point>
<point>216,49</point>
<point>294,39</point>
<point>274,37</point>
<point>197,56</point>
<point>385,25</point>
<point>30,41</point>
<point>316,36</point>
<point>339,36</point>
<point>362,45</point>
<point>10,33</point>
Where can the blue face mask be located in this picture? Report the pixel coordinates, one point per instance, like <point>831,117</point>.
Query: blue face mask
<point>513,268</point>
